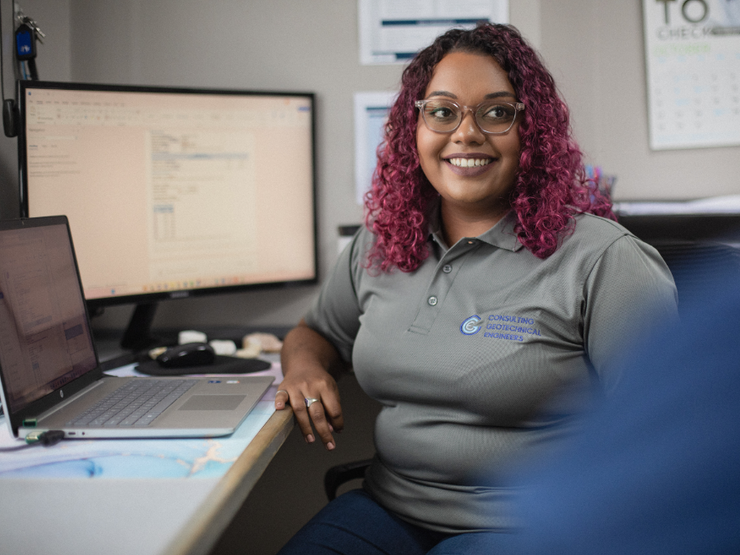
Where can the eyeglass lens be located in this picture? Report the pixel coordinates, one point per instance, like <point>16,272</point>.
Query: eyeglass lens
<point>444,116</point>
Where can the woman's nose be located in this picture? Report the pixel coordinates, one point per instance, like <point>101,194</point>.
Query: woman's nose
<point>468,130</point>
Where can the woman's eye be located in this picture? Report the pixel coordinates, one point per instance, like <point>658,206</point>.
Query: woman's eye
<point>497,112</point>
<point>441,112</point>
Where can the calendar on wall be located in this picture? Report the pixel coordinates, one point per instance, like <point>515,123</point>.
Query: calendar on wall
<point>692,50</point>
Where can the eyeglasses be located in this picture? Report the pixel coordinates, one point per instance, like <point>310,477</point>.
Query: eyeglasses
<point>491,116</point>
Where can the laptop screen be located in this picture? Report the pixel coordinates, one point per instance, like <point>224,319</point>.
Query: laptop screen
<point>45,339</point>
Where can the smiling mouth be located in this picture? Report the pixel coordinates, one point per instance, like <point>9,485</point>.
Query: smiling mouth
<point>469,162</point>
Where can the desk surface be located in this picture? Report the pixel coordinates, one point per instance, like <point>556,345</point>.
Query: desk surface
<point>134,496</point>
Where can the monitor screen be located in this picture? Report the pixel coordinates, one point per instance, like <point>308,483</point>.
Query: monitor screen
<point>173,192</point>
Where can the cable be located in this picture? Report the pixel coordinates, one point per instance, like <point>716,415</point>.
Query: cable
<point>47,439</point>
<point>16,448</point>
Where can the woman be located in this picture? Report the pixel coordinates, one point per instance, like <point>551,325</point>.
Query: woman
<point>482,287</point>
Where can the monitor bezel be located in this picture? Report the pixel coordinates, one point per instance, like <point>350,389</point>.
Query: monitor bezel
<point>154,297</point>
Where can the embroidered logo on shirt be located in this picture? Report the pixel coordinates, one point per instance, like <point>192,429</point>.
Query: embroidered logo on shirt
<point>472,325</point>
<point>499,326</point>
<point>512,328</point>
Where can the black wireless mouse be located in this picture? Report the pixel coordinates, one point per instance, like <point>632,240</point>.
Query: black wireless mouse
<point>189,354</point>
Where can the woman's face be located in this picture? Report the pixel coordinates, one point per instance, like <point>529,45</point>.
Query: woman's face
<point>471,170</point>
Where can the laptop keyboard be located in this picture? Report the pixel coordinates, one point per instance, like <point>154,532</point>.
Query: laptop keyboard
<point>136,404</point>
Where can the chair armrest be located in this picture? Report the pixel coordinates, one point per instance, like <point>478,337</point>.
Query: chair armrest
<point>338,475</point>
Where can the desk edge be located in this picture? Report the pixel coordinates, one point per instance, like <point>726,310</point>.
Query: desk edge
<point>203,530</point>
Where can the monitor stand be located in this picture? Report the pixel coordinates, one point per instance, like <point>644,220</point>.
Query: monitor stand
<point>138,333</point>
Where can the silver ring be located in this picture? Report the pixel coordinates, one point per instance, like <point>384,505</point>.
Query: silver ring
<point>310,402</point>
<point>283,390</point>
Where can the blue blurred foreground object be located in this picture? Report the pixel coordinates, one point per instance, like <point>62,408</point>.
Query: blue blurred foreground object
<point>657,469</point>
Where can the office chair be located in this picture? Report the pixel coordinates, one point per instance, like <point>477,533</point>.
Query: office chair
<point>343,473</point>
<point>695,263</point>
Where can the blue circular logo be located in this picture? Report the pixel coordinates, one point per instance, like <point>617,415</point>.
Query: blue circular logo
<point>472,325</point>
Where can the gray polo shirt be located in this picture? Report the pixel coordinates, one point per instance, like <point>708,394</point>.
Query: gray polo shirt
<point>469,355</point>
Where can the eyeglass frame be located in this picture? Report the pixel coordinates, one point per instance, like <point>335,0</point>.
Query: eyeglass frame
<point>518,107</point>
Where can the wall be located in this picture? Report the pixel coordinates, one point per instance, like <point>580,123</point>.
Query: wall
<point>595,51</point>
<point>53,63</point>
<point>593,47</point>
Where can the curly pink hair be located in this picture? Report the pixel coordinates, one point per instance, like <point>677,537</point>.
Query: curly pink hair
<point>551,184</point>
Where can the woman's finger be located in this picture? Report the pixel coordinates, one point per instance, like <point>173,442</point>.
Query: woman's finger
<point>281,399</point>
<point>302,416</point>
<point>333,412</point>
<point>320,423</point>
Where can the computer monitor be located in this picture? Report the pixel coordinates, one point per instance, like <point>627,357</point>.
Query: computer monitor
<point>170,192</point>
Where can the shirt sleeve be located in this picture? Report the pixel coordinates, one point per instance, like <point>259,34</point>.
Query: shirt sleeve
<point>336,311</point>
<point>629,293</point>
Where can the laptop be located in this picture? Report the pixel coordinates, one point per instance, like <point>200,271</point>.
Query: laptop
<point>50,375</point>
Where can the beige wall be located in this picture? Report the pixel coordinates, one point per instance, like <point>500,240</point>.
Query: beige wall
<point>593,47</point>
<point>595,51</point>
<point>53,63</point>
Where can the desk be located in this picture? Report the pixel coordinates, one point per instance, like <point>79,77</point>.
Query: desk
<point>120,498</point>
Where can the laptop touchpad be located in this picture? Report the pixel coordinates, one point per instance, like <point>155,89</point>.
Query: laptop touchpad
<point>212,402</point>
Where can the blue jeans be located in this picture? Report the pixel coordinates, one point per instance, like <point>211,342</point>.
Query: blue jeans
<point>354,524</point>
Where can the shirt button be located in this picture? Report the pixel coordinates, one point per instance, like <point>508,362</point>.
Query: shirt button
<point>432,300</point>
<point>447,268</point>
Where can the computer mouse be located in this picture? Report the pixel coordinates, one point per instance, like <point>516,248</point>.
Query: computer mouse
<point>189,354</point>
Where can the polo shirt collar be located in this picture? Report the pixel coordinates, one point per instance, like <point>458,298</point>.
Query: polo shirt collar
<point>500,235</point>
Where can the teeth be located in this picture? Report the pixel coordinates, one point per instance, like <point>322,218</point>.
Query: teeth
<point>469,162</point>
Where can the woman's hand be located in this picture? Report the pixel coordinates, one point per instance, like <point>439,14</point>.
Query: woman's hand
<point>309,387</point>
<point>314,387</point>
